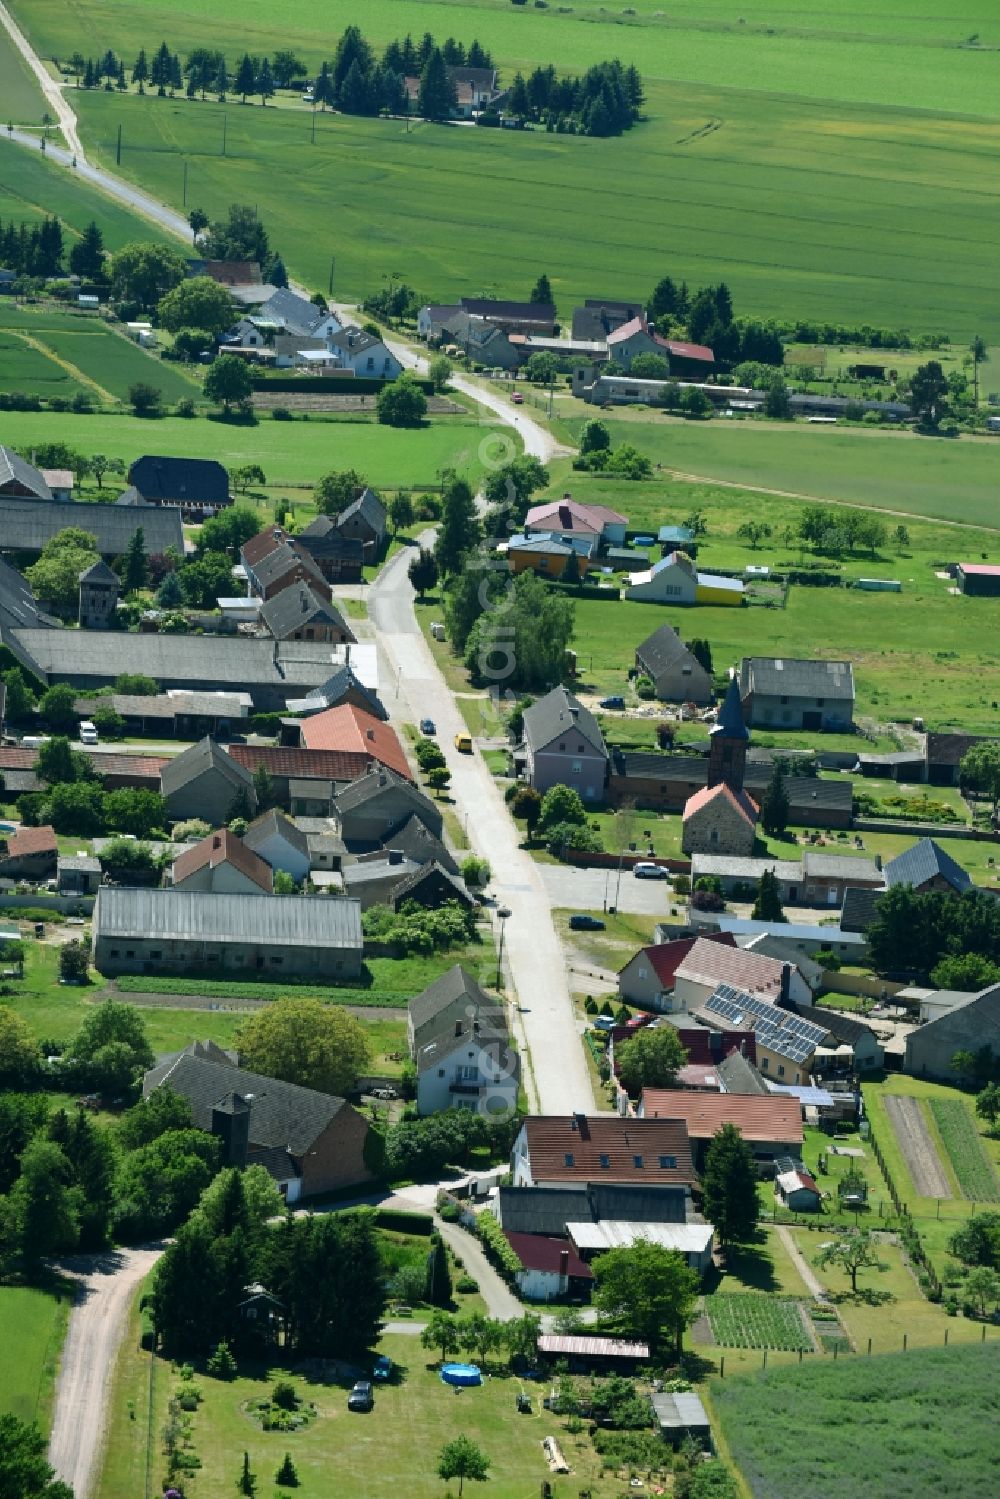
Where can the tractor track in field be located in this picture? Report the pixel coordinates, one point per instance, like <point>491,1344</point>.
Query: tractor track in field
<point>917,1146</point>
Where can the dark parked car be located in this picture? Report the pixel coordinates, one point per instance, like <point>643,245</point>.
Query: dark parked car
<point>581,923</point>
<point>612,702</point>
<point>427,726</point>
<point>361,1397</point>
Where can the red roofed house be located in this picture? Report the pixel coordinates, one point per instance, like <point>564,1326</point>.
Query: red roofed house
<point>721,817</point>
<point>349,728</point>
<point>575,1149</point>
<point>222,862</point>
<point>709,964</point>
<point>648,978</point>
<point>771,1124</point>
<point>638,337</point>
<point>567,518</point>
<point>549,1267</point>
<point>29,854</point>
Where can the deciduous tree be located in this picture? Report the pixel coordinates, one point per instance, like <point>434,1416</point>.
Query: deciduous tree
<point>228,380</point>
<point>646,1292</point>
<point>307,1042</point>
<point>197,303</point>
<point>651,1059</point>
<point>854,1250</point>
<point>462,1459</point>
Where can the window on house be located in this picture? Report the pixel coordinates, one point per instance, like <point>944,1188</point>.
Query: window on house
<point>763,1064</point>
<point>605,1161</point>
<point>783,700</point>
<point>568,1158</point>
<point>129,953</point>
<point>114,952</point>
<point>562,747</point>
<point>440,1072</point>
<point>820,701</point>
<point>276,960</point>
<point>781,1070</point>
<point>637,1160</point>
<point>577,767</point>
<point>157,954</point>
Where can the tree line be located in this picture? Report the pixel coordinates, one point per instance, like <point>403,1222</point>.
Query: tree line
<point>606,100</point>
<point>33,249</point>
<point>708,317</point>
<point>359,82</point>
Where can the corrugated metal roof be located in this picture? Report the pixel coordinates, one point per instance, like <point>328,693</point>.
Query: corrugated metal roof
<point>686,1238</point>
<point>315,921</point>
<point>550,1342</point>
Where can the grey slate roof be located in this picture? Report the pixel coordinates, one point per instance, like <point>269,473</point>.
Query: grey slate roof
<point>18,605</point>
<point>841,1026</point>
<point>180,481</point>
<point>175,660</point>
<point>859,909</point>
<point>418,843</point>
<point>282,559</point>
<point>282,1115</point>
<point>556,712</point>
<point>26,525</point>
<point>664,649</point>
<point>775,676</point>
<point>547,1210</point>
<point>738,1075</point>
<point>457,983</point>
<point>273,822</point>
<point>368,506</point>
<point>314,921</point>
<point>414,878</point>
<point>926,859</point>
<point>336,688</point>
<point>488,1029</point>
<point>372,871</point>
<point>373,783</point>
<point>298,315</point>
<point>100,572</point>
<point>195,761</point>
<point>299,605</point>
<point>15,469</point>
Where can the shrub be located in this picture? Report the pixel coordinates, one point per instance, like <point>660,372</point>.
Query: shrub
<point>682,884</point>
<point>466,1285</point>
<point>185,407</point>
<point>221,1364</point>
<point>281,414</point>
<point>284,1395</point>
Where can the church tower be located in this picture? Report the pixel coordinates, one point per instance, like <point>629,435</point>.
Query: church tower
<point>728,742</point>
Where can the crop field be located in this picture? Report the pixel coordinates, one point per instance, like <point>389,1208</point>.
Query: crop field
<point>957,1128</point>
<point>757,1321</point>
<point>940,478</point>
<point>23,103</point>
<point>877,1426</point>
<point>51,351</point>
<point>289,454</point>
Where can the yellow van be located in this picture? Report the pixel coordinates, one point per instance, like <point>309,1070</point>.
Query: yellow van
<point>463,743</point>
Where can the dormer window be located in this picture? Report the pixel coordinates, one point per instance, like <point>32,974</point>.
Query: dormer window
<point>637,1161</point>
<point>605,1162</point>
<point>568,1158</point>
<point>668,1162</point>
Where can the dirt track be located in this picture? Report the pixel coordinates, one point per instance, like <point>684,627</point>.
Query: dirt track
<point>919,1151</point>
<point>96,1326</point>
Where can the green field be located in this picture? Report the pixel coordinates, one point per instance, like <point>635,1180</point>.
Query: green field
<point>289,454</point>
<point>52,351</point>
<point>942,478</point>
<point>903,1439</point>
<point>960,1137</point>
<point>22,100</point>
<point>34,1325</point>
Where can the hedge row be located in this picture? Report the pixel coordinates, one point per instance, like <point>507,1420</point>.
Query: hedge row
<point>400,1222</point>
<point>325,384</point>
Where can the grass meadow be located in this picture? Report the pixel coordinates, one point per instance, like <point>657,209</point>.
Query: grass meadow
<point>904,1441</point>
<point>53,351</point>
<point>23,103</point>
<point>34,1325</point>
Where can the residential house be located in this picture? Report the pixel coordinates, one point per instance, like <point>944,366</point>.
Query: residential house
<point>799,939</point>
<point>574,1150</point>
<point>339,558</point>
<point>416,843</point>
<point>926,867</point>
<point>797,694</point>
<point>198,487</point>
<point>287,311</point>
<point>78,874</point>
<point>347,728</point>
<point>513,317</point>
<point>366,520</point>
<point>188,931</point>
<point>709,964</point>
<point>677,675</point>
<point>970,1023</point>
<point>567,518</point>
<point>273,561</point>
<point>205,782</point>
<point>647,979</point>
<point>676,580</point>
<point>221,863</point>
<point>549,557</point>
<point>344,686</point>
<point>360,352</point>
<point>563,745</point>
<point>454,998</point>
<point>309,1142</point>
<point>636,337</point>
<point>29,854</point>
<point>98,596</point>
<point>785,1043</point>
<point>550,1268</point>
<point>468,1063</point>
<point>27,524</point>
<point>370,810</point>
<point>299,613</point>
<point>302,775</point>
<point>845,1030</point>
<point>599,316</point>
<point>280,844</point>
<point>548,1210</point>
<point>482,342</point>
<point>20,479</point>
<point>431,886</point>
<point>771,1126</point>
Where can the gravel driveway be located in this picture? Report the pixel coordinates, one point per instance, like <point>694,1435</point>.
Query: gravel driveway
<point>919,1151</point>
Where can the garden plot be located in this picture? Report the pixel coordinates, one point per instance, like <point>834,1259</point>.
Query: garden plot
<point>975,1172</point>
<point>755,1320</point>
<point>918,1149</point>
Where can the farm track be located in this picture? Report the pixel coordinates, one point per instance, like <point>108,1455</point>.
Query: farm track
<point>917,1147</point>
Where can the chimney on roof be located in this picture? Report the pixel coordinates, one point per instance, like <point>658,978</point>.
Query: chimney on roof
<point>878,862</point>
<point>217,840</point>
<point>786,981</point>
<point>370,734</point>
<point>580,1123</point>
<point>564,1263</point>
<point>395,856</point>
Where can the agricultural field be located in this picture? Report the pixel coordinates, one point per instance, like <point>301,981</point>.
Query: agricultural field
<point>389,457</point>
<point>757,1321</point>
<point>34,1323</point>
<point>54,351</point>
<point>840,185</point>
<point>938,478</point>
<point>961,1139</point>
<point>23,103</point>
<point>902,1439</point>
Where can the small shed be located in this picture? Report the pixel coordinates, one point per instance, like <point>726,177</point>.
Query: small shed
<point>880,585</point>
<point>680,1416</point>
<point>614,1354</point>
<point>798,1192</point>
<point>78,874</point>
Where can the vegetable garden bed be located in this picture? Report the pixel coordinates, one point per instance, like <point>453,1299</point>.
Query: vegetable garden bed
<point>969,1161</point>
<point>754,1320</point>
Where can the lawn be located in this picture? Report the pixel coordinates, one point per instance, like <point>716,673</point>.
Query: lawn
<point>786,1428</point>
<point>289,454</point>
<point>841,177</point>
<point>23,103</point>
<point>57,351</point>
<point>931,477</point>
<point>34,1325</point>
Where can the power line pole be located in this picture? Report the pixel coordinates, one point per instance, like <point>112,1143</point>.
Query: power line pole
<point>118,148</point>
<point>314,124</point>
<point>333,263</point>
<point>225,121</point>
<point>185,196</point>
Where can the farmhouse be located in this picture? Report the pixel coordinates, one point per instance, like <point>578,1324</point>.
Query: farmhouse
<point>432,886</point>
<point>676,580</point>
<point>183,931</point>
<point>309,1142</point>
<point>204,782</point>
<point>369,811</point>
<point>578,1149</point>
<point>631,339</point>
<point>279,844</point>
<point>371,882</point>
<point>817,879</point>
<point>709,964</point>
<point>352,730</point>
<point>21,479</point>
<point>98,596</point>
<point>563,746</point>
<point>549,1267</point>
<point>925,866</point>
<point>29,854</point>
<point>600,316</point>
<point>795,694</point>
<point>339,558</point>
<point>299,613</point>
<point>547,1210</point>
<point>198,487</point>
<point>648,977</point>
<point>366,520</point>
<point>513,317</point>
<point>221,863</point>
<point>677,676</point>
<point>968,1023</point>
<point>785,1043</point>
<point>316,774</point>
<point>771,1125</point>
<point>273,561</point>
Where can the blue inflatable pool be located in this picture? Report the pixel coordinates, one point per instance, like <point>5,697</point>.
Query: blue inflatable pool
<point>461,1374</point>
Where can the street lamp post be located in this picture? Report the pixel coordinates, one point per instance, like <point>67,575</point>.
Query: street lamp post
<point>502,915</point>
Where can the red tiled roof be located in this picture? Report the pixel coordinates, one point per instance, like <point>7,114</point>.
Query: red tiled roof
<point>32,841</point>
<point>773,1119</point>
<point>665,957</point>
<point>566,1148</point>
<point>536,1252</point>
<point>301,764</point>
<point>689,351</point>
<point>713,963</point>
<point>697,1044</point>
<point>741,800</point>
<point>265,541</point>
<point>18,759</point>
<point>350,729</point>
<point>224,847</point>
<point>105,763</point>
<point>636,325</point>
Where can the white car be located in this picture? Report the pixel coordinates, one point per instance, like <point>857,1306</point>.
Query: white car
<point>646,870</point>
<point>88,734</point>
